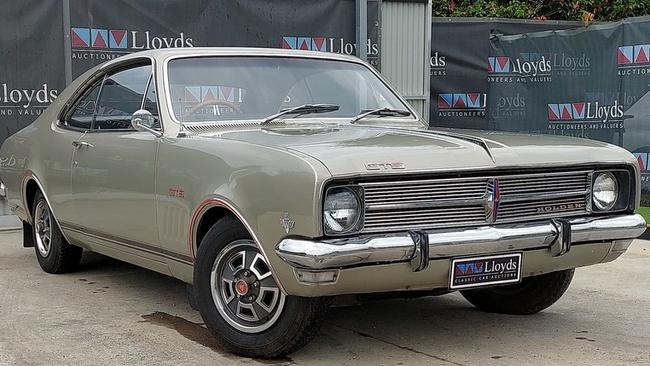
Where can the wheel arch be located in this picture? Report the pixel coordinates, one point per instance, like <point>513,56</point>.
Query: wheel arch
<point>207,213</point>
<point>29,186</point>
<point>210,217</point>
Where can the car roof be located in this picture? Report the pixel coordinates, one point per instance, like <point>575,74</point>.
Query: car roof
<point>166,53</point>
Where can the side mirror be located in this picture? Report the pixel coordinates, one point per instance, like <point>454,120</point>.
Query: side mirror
<point>142,120</point>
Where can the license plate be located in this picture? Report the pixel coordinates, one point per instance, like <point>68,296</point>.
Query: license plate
<point>485,271</point>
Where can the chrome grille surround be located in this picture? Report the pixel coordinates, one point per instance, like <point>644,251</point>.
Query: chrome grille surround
<point>473,201</point>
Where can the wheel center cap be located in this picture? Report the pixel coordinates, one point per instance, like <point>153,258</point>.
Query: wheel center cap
<point>241,287</point>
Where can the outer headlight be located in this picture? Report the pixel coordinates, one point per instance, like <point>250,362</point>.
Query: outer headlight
<point>341,210</point>
<point>605,191</point>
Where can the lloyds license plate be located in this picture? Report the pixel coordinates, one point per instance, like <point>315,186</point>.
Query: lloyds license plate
<point>485,271</point>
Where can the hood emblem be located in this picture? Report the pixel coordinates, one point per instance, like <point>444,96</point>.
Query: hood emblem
<point>287,222</point>
<point>385,165</point>
<point>492,197</point>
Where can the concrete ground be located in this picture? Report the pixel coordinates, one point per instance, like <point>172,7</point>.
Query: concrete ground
<point>112,313</point>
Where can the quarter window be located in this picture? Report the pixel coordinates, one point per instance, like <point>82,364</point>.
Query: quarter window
<point>151,102</point>
<point>121,95</point>
<point>82,115</point>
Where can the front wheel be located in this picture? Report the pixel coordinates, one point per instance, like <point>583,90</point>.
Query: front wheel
<point>532,295</point>
<point>240,301</point>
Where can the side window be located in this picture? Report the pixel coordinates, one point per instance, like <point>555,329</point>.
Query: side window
<point>82,114</point>
<point>121,95</point>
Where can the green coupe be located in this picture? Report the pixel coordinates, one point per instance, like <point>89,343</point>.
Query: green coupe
<point>273,180</point>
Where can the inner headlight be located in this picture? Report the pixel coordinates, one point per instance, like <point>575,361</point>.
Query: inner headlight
<point>341,210</point>
<point>605,191</point>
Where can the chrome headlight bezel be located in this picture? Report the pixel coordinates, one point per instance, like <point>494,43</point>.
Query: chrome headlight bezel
<point>605,191</point>
<point>623,188</point>
<point>357,224</point>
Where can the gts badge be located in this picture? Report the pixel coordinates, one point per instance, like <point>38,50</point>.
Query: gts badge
<point>396,165</point>
<point>176,191</point>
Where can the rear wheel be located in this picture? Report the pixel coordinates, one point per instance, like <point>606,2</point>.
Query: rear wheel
<point>240,301</point>
<point>54,253</point>
<point>532,295</point>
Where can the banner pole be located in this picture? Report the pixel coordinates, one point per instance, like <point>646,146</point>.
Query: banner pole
<point>362,28</point>
<point>67,46</point>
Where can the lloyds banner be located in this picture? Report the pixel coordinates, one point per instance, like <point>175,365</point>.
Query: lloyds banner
<point>591,82</point>
<point>103,30</point>
<point>43,41</point>
<point>31,61</point>
<point>459,61</point>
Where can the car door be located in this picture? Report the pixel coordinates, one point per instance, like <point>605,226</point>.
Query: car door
<point>76,121</point>
<point>113,168</point>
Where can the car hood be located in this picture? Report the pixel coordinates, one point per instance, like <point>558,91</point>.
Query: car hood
<point>358,149</point>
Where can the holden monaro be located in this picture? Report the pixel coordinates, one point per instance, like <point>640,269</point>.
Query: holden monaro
<point>273,180</point>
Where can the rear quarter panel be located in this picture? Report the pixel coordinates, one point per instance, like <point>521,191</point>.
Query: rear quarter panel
<point>40,150</point>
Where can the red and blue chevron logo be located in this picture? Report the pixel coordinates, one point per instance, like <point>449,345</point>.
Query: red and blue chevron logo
<point>445,100</point>
<point>566,111</point>
<point>98,38</point>
<point>469,268</point>
<point>116,38</point>
<point>578,110</point>
<point>459,101</point>
<point>636,54</point>
<point>305,43</point>
<point>642,159</point>
<point>498,65</point>
<point>80,37</point>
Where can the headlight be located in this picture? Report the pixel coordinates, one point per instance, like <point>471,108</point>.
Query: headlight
<point>341,210</point>
<point>605,191</point>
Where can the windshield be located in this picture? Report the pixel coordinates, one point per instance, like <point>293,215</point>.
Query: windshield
<point>248,88</point>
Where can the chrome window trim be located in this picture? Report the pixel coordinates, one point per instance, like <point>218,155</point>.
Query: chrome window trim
<point>69,109</point>
<point>101,72</point>
<point>317,56</point>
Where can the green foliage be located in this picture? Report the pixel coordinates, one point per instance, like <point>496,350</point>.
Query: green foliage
<point>645,212</point>
<point>583,10</point>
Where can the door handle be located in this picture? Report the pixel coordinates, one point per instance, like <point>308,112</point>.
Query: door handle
<point>79,144</point>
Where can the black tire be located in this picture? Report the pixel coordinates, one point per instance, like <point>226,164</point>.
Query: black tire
<point>296,325</point>
<point>191,297</point>
<point>61,257</point>
<point>532,295</point>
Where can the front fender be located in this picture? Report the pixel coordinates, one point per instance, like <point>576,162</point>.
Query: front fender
<point>261,185</point>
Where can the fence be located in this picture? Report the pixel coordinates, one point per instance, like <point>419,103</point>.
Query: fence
<point>590,82</point>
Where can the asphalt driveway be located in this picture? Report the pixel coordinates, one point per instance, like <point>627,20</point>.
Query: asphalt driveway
<point>114,313</point>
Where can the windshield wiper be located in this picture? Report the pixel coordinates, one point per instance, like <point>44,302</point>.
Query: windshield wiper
<point>303,109</point>
<point>381,112</point>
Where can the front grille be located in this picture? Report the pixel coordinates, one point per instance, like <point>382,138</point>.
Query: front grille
<point>454,202</point>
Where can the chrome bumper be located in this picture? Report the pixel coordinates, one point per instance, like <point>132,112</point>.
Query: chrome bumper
<point>416,247</point>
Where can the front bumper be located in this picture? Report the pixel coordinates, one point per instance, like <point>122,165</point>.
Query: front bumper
<point>420,247</point>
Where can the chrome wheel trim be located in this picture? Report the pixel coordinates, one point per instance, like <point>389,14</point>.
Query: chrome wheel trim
<point>241,261</point>
<point>43,228</point>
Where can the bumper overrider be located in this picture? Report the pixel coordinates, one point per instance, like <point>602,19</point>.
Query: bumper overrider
<point>419,247</point>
